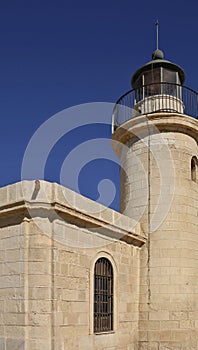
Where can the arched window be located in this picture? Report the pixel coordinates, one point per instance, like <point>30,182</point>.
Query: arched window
<point>194,163</point>
<point>103,296</point>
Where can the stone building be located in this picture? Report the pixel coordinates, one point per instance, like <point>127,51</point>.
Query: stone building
<point>71,280</point>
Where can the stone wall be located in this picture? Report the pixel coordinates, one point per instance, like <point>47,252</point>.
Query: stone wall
<point>12,287</point>
<point>47,266</point>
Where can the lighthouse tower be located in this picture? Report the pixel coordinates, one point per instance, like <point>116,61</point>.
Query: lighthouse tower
<point>155,134</point>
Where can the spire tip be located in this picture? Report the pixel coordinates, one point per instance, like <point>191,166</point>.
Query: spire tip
<point>157,34</point>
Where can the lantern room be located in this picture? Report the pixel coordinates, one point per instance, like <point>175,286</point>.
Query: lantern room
<point>157,86</point>
<point>158,70</point>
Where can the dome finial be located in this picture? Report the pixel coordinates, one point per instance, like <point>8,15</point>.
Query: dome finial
<point>157,54</point>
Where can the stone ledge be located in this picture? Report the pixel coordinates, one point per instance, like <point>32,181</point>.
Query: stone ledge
<point>43,199</point>
<point>153,123</point>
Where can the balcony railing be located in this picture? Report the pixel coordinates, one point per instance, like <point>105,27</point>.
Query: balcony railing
<point>155,98</point>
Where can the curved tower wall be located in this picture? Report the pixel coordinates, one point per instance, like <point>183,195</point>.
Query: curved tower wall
<point>157,190</point>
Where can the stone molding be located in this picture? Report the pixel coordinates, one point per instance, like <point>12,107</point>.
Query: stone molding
<point>29,199</point>
<point>149,124</point>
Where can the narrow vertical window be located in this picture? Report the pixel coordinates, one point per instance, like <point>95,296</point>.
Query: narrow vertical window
<point>103,296</point>
<point>194,168</point>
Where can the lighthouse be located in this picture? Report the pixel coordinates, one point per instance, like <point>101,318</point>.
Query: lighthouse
<point>155,135</point>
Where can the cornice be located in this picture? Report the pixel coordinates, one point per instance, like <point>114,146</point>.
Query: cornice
<point>106,222</point>
<point>145,125</point>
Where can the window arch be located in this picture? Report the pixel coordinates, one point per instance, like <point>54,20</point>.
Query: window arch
<point>103,295</point>
<point>194,163</point>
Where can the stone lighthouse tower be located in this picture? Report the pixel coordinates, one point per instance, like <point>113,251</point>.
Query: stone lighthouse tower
<point>155,134</point>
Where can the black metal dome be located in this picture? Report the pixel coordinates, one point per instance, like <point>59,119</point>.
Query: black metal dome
<point>158,61</point>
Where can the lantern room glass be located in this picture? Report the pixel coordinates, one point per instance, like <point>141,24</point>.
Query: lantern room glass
<point>157,81</point>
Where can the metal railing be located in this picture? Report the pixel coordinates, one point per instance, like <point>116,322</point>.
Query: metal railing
<point>155,98</point>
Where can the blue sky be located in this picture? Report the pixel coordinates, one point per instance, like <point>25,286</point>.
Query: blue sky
<point>58,54</point>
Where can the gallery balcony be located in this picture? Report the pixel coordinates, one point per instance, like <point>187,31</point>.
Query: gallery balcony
<point>155,98</point>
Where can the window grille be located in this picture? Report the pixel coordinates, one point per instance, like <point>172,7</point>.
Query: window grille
<point>103,296</point>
